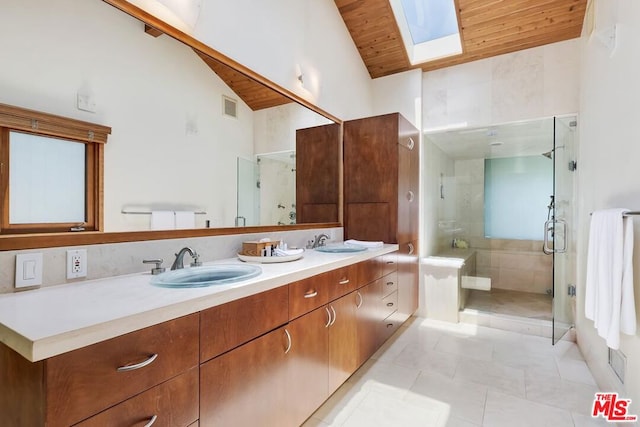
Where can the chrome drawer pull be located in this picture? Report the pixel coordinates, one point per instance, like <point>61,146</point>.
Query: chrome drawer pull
<point>138,365</point>
<point>389,325</point>
<point>410,248</point>
<point>390,283</point>
<point>390,262</point>
<point>410,196</point>
<point>328,318</point>
<point>343,281</point>
<point>389,304</point>
<point>288,341</point>
<point>411,143</point>
<point>151,421</point>
<point>334,316</point>
<point>311,294</point>
<point>361,299</point>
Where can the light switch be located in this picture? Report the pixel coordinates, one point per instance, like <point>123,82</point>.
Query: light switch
<point>28,269</point>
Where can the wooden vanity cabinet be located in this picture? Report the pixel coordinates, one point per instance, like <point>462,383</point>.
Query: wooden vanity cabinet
<point>67,389</point>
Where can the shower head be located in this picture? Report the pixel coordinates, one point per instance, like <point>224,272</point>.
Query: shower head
<point>548,154</point>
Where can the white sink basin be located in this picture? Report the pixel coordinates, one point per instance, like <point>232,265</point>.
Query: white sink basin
<point>210,275</point>
<point>341,248</point>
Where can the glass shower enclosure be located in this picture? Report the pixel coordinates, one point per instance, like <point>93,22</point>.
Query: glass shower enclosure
<point>561,229</point>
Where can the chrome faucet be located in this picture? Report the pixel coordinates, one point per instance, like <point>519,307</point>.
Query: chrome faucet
<point>179,262</point>
<point>317,241</point>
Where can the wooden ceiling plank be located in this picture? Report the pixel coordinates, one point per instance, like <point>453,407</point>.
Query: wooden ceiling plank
<point>519,17</point>
<point>514,35</point>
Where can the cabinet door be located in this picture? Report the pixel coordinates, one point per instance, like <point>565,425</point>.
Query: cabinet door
<point>317,181</point>
<point>171,404</point>
<point>308,365</point>
<point>246,386</point>
<point>406,197</point>
<point>368,317</point>
<point>343,341</point>
<point>408,283</point>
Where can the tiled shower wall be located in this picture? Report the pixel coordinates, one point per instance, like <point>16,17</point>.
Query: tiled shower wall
<point>511,264</point>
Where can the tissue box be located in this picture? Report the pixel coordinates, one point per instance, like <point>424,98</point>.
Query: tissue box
<point>255,248</point>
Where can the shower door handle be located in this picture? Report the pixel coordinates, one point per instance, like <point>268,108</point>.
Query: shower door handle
<point>547,228</point>
<point>563,224</point>
<point>551,226</point>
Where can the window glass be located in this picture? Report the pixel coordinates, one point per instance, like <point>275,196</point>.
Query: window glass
<point>516,196</point>
<point>47,180</point>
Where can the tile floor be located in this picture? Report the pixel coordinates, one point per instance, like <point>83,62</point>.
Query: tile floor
<point>460,375</point>
<point>514,303</point>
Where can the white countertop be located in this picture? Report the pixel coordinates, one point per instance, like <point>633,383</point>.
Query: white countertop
<point>46,322</point>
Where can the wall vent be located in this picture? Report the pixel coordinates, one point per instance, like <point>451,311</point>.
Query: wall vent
<point>618,362</point>
<point>229,107</point>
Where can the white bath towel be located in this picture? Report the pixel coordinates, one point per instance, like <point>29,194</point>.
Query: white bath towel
<point>609,299</point>
<point>163,220</point>
<point>365,243</point>
<point>185,219</point>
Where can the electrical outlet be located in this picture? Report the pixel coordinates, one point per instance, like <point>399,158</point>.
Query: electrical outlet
<point>76,263</point>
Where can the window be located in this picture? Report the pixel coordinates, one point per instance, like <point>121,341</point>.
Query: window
<point>50,172</point>
<point>516,195</point>
<point>429,28</point>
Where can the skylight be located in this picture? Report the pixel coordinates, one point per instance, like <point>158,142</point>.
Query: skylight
<point>429,28</point>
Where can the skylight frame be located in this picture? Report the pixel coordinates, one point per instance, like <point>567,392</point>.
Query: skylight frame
<point>430,50</point>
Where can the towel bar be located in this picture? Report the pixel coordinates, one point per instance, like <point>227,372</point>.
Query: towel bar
<point>626,214</point>
<point>124,211</point>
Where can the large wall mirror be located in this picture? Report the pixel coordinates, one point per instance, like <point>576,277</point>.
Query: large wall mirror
<point>186,122</point>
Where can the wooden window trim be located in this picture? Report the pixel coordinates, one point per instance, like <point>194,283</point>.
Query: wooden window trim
<point>48,125</point>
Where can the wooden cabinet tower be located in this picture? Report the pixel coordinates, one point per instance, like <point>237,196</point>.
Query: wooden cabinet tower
<point>381,192</point>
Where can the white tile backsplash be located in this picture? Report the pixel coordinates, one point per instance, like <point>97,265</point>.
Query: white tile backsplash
<point>114,259</point>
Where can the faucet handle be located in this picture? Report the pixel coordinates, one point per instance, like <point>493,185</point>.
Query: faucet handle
<point>158,268</point>
<point>196,260</point>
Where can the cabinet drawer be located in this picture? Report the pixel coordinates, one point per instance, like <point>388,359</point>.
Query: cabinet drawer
<point>368,271</point>
<point>342,281</point>
<point>388,326</point>
<point>389,304</point>
<point>389,263</point>
<point>308,294</point>
<point>229,325</point>
<point>86,381</point>
<point>389,284</point>
<point>171,404</point>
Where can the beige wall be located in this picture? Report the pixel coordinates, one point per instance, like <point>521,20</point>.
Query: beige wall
<point>608,172</point>
<point>517,265</point>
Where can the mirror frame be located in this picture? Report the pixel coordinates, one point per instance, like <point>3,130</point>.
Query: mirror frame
<point>49,240</point>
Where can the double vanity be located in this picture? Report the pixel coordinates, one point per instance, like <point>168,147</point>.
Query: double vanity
<point>267,350</point>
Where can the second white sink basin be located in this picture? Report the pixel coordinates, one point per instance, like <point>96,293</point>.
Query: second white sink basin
<point>340,248</point>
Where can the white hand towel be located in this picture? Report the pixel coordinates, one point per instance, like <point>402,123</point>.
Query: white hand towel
<point>185,219</point>
<point>163,220</point>
<point>288,252</point>
<point>609,299</point>
<point>365,243</point>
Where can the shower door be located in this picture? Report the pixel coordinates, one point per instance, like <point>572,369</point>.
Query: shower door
<point>563,229</point>
<point>248,198</point>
